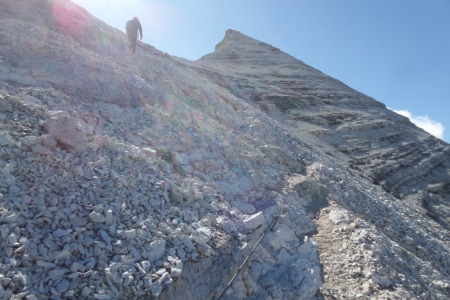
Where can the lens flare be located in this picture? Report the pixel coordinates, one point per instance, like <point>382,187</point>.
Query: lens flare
<point>69,17</point>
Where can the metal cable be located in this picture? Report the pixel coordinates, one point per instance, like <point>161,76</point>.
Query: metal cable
<point>248,256</point>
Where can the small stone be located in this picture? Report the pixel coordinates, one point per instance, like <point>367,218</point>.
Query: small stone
<point>13,190</point>
<point>74,275</point>
<point>30,140</point>
<point>156,250</point>
<point>198,196</point>
<point>45,264</point>
<point>367,289</point>
<point>39,149</point>
<point>227,225</point>
<point>114,266</point>
<point>96,217</point>
<point>62,286</point>
<point>4,281</point>
<point>356,272</point>
<point>205,222</point>
<point>11,218</point>
<point>149,152</point>
<point>130,234</point>
<point>4,231</point>
<point>205,249</point>
<point>102,296</point>
<point>20,279</point>
<point>20,249</point>
<point>254,221</point>
<point>78,221</point>
<point>75,283</point>
<point>90,263</point>
<point>136,254</point>
<point>383,282</point>
<point>56,274</point>
<point>61,232</point>
<point>156,289</point>
<point>147,282</point>
<point>6,140</point>
<point>202,234</point>
<point>75,267</point>
<point>109,217</point>
<point>12,239</point>
<point>181,253</point>
<point>127,278</point>
<point>188,243</point>
<point>86,291</point>
<point>175,272</point>
<point>8,251</point>
<point>145,265</point>
<point>69,294</point>
<point>62,254</point>
<point>140,269</point>
<point>48,142</point>
<point>6,294</point>
<point>435,188</point>
<point>105,237</point>
<point>166,279</point>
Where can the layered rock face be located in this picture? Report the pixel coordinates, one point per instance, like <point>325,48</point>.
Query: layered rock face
<point>148,176</point>
<point>404,160</point>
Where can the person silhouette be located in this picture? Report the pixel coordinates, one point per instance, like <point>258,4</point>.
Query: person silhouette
<point>132,27</point>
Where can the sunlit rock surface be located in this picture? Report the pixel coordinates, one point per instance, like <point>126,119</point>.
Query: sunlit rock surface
<point>137,176</point>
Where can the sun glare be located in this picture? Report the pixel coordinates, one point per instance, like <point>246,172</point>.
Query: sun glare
<point>157,17</point>
<point>69,17</point>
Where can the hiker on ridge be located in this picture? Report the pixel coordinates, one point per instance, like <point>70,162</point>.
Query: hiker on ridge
<point>133,26</point>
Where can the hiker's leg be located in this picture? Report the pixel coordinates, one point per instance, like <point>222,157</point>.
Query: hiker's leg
<point>134,45</point>
<point>130,42</point>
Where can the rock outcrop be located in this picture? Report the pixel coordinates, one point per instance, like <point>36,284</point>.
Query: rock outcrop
<point>150,176</point>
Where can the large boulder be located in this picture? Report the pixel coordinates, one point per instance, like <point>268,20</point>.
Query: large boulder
<point>69,132</point>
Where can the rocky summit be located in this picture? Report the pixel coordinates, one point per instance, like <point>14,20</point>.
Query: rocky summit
<point>246,174</point>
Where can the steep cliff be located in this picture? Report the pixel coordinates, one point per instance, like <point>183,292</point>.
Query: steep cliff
<point>137,176</point>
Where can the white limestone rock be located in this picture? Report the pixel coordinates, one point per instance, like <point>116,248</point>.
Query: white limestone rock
<point>48,142</point>
<point>68,131</point>
<point>31,140</point>
<point>156,289</point>
<point>175,272</point>
<point>156,250</point>
<point>96,217</point>
<point>39,149</point>
<point>149,152</point>
<point>254,221</point>
<point>233,160</point>
<point>5,139</point>
<point>201,235</point>
<point>226,224</point>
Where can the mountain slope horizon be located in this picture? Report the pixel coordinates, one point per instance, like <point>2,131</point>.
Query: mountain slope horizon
<point>152,176</point>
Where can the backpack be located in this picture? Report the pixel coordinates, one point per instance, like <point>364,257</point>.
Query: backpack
<point>132,27</point>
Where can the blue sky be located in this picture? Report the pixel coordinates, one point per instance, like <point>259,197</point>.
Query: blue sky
<point>396,51</point>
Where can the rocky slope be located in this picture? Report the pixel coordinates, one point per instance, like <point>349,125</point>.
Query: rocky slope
<point>146,176</point>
